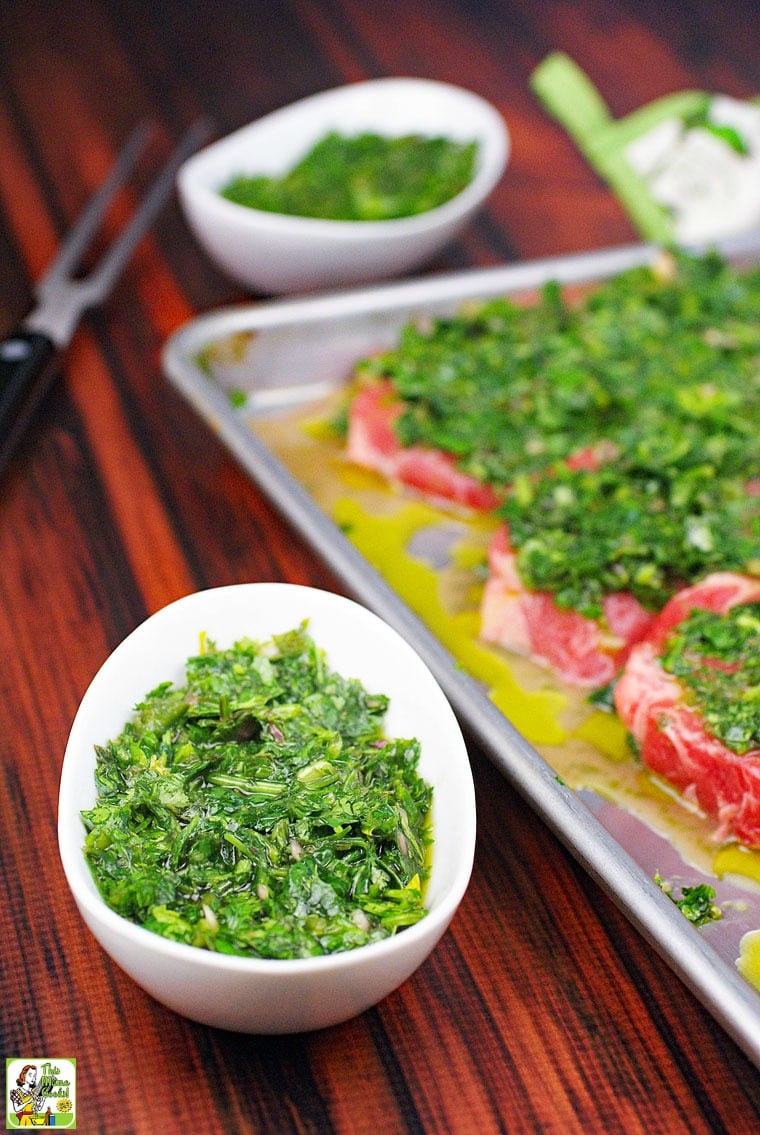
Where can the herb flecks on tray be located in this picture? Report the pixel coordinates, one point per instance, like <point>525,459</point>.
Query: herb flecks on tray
<point>367,177</point>
<point>260,810</point>
<point>696,903</point>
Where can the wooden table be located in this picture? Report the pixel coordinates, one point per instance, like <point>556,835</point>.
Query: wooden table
<point>541,1010</point>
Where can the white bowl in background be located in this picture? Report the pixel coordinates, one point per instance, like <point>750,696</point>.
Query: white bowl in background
<point>274,253</point>
<point>271,995</point>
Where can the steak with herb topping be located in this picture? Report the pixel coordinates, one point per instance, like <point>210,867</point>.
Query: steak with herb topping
<point>372,443</point>
<point>581,650</point>
<point>706,747</point>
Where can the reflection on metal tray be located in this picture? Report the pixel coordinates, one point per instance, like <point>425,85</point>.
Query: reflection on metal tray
<point>263,359</point>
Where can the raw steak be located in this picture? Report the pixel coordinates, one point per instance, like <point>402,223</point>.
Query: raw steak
<point>670,733</point>
<point>372,443</point>
<point>582,651</point>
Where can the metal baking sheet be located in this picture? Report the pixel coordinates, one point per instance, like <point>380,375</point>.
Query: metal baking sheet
<point>321,337</point>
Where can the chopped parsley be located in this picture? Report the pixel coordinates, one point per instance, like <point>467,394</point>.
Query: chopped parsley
<point>368,177</point>
<point>260,810</point>
<point>717,660</point>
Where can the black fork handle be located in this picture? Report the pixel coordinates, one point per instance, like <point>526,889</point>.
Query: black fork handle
<point>28,364</point>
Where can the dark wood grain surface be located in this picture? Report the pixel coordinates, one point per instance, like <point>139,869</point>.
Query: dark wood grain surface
<point>541,1010</point>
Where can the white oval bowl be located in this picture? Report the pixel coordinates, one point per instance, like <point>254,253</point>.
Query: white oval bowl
<point>271,995</point>
<point>274,253</point>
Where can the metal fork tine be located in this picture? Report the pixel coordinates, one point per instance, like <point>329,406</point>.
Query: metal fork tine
<point>29,355</point>
<point>120,251</point>
<point>80,236</point>
<point>63,298</point>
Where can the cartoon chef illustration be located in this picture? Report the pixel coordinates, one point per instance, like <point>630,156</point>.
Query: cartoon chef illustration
<point>27,1098</point>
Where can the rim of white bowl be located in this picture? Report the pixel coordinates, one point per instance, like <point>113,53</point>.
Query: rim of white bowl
<point>84,889</point>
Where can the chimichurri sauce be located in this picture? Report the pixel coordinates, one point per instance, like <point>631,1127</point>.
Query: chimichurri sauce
<point>653,381</point>
<point>717,659</point>
<point>663,358</point>
<point>260,810</point>
<point>367,177</point>
<point>584,534</point>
